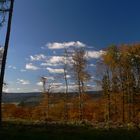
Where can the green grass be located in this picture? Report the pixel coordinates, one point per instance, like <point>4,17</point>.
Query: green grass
<point>63,132</point>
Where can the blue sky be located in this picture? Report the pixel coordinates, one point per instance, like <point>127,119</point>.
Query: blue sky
<point>94,23</point>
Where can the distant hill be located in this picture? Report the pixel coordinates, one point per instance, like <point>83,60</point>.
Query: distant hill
<point>20,97</point>
<point>33,98</point>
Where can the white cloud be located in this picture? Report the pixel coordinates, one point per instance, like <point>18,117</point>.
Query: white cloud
<point>10,90</point>
<point>47,64</point>
<point>63,45</point>
<point>54,85</point>
<point>12,67</point>
<point>18,89</point>
<point>94,54</point>
<point>57,84</point>
<point>23,82</point>
<point>68,76</point>
<point>53,61</point>
<point>39,84</point>
<point>6,90</point>
<point>37,57</point>
<point>49,78</point>
<point>92,65</point>
<point>61,87</point>
<point>56,60</point>
<point>51,70</point>
<point>50,64</point>
<point>36,90</point>
<point>23,70</point>
<point>30,66</point>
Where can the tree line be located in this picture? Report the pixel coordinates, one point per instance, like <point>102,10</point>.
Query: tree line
<point>121,78</point>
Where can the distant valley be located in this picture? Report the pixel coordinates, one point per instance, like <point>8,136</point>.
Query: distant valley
<point>36,96</point>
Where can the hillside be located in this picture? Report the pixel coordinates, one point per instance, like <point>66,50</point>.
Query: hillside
<point>36,96</point>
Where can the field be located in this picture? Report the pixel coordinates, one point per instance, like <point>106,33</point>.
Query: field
<point>64,132</point>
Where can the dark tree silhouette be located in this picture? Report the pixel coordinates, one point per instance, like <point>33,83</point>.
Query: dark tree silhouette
<point>5,54</point>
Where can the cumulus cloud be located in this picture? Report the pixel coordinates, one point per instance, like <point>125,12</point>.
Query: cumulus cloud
<point>56,60</point>
<point>51,70</point>
<point>94,54</point>
<point>30,66</point>
<point>63,45</point>
<point>47,64</point>
<point>23,82</point>
<point>50,64</point>
<point>37,57</point>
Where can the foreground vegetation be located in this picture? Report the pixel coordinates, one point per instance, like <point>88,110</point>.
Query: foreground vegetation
<point>64,132</point>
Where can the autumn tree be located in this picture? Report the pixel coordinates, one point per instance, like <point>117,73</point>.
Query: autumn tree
<point>81,75</point>
<point>45,103</point>
<point>44,80</point>
<point>66,83</point>
<point>120,78</point>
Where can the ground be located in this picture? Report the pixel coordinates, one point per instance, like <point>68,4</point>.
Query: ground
<point>65,132</point>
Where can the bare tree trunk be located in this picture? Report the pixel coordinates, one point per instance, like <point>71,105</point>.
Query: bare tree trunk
<point>66,87</point>
<point>5,56</point>
<point>80,102</point>
<point>81,75</point>
<point>123,95</point>
<point>108,97</point>
<point>48,101</point>
<point>123,107</point>
<point>66,97</point>
<point>48,105</point>
<point>116,109</point>
<point>109,108</point>
<point>133,106</point>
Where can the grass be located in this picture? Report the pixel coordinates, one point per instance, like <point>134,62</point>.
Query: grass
<point>64,132</point>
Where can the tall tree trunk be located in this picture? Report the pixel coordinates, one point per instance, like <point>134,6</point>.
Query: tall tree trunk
<point>108,97</point>
<point>48,105</point>
<point>80,102</point>
<point>109,107</point>
<point>66,96</point>
<point>123,94</point>
<point>5,56</point>
<point>123,107</point>
<point>66,86</point>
